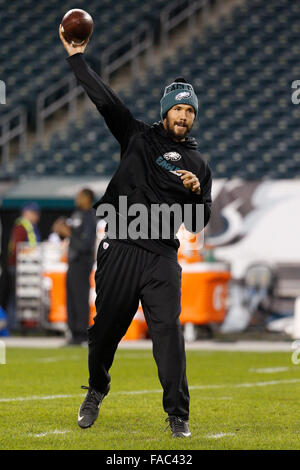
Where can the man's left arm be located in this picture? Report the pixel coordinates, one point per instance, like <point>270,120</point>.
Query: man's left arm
<point>205,194</point>
<point>200,194</point>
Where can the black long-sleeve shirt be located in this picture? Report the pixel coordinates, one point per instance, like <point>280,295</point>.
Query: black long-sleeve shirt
<point>149,160</point>
<point>83,236</point>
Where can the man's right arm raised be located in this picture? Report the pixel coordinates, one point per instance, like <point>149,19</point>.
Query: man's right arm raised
<point>117,116</point>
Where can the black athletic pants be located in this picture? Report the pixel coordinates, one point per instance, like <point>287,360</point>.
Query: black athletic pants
<point>126,273</point>
<point>78,293</point>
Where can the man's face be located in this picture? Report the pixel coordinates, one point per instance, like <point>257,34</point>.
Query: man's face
<point>32,216</point>
<point>179,121</point>
<point>82,201</point>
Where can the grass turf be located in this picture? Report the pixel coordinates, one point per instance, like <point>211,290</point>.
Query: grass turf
<point>225,412</point>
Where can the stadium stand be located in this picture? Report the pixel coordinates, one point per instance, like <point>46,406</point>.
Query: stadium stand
<point>242,69</point>
<point>35,52</point>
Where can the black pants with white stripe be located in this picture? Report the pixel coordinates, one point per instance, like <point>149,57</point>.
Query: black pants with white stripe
<point>126,274</point>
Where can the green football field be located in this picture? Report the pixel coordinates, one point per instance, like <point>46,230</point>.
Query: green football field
<point>239,400</point>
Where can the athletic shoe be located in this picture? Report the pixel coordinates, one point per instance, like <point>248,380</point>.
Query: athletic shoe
<point>89,410</point>
<point>179,427</point>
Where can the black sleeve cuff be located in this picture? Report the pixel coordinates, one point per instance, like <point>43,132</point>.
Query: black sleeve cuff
<point>75,58</point>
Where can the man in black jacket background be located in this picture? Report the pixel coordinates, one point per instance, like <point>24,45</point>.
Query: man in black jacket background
<point>80,228</point>
<point>159,164</point>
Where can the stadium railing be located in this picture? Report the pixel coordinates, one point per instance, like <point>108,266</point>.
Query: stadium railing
<point>115,56</point>
<point>12,125</point>
<point>43,111</point>
<point>177,12</point>
<point>134,44</point>
<point>126,50</point>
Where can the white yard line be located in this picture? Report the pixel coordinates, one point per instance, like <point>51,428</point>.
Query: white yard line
<point>44,434</point>
<point>59,432</point>
<point>219,435</point>
<point>47,360</point>
<point>143,392</point>
<point>203,345</point>
<point>244,384</point>
<point>38,397</point>
<point>263,384</point>
<point>216,398</point>
<point>270,370</point>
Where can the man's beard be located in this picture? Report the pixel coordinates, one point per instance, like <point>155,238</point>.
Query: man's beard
<point>173,135</point>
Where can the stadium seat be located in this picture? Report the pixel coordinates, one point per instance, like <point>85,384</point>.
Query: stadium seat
<point>241,69</point>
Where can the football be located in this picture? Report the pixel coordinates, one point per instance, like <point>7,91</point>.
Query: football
<point>77,26</point>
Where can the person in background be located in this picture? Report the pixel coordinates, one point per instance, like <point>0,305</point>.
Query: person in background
<point>3,316</point>
<point>25,229</point>
<point>81,230</point>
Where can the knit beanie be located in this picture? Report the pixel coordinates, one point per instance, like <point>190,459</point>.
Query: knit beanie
<point>178,92</point>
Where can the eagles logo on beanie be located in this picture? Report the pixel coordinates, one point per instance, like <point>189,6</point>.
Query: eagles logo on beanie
<point>178,92</point>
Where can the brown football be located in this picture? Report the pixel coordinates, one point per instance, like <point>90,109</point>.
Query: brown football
<point>77,26</point>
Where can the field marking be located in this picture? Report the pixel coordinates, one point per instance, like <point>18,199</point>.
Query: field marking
<point>270,370</point>
<point>200,345</point>
<point>143,392</point>
<point>47,360</point>
<point>44,434</point>
<point>244,384</point>
<point>219,435</point>
<point>216,398</point>
<point>38,397</point>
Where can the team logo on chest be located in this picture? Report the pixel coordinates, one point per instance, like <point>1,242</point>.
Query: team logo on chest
<point>172,156</point>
